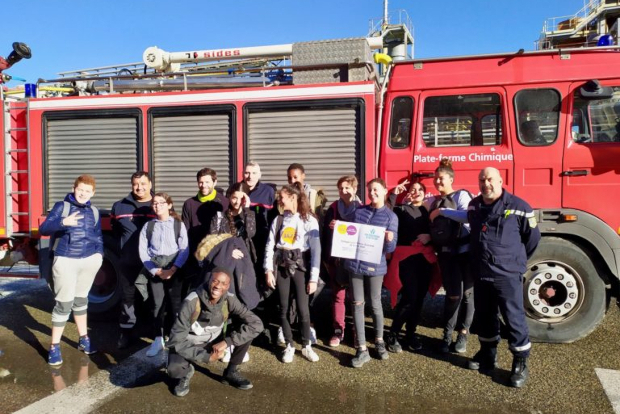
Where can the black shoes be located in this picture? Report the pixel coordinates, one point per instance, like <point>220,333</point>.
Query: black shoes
<point>234,378</point>
<point>124,339</point>
<point>182,388</point>
<point>444,348</point>
<point>484,361</point>
<point>393,345</point>
<point>519,373</point>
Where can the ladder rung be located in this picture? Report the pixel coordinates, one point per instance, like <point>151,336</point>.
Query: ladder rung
<point>17,172</point>
<point>17,129</point>
<point>20,234</point>
<point>17,150</point>
<point>19,107</point>
<point>18,192</point>
<point>19,214</point>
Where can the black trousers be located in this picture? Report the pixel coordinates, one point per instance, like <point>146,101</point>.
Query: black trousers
<point>179,366</point>
<point>415,275</point>
<point>166,297</point>
<point>127,280</point>
<point>297,284</point>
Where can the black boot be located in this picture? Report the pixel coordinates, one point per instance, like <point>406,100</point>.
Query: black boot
<point>234,378</point>
<point>519,372</point>
<point>485,360</point>
<point>124,339</point>
<point>446,341</point>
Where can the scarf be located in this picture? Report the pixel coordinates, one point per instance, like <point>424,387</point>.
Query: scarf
<point>204,199</point>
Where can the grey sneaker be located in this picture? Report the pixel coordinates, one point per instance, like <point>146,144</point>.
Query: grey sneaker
<point>383,353</point>
<point>360,358</point>
<point>460,347</point>
<point>182,388</point>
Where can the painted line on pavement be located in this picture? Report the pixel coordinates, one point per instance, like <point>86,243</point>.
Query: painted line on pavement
<point>88,396</point>
<point>610,380</point>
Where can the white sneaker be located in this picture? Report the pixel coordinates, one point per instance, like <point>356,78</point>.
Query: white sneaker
<point>156,347</point>
<point>289,353</point>
<point>309,353</point>
<point>281,340</point>
<point>227,353</point>
<point>312,336</point>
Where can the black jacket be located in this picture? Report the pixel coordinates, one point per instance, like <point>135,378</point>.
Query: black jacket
<point>128,216</point>
<point>191,344</point>
<point>221,225</point>
<point>216,251</point>
<point>503,235</point>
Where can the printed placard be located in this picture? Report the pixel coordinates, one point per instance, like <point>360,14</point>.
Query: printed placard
<point>358,241</point>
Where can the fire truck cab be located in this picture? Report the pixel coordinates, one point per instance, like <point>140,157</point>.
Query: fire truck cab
<point>550,123</point>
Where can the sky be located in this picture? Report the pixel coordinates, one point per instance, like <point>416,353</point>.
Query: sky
<point>66,35</point>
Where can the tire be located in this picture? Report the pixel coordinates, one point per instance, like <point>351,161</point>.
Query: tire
<point>106,292</point>
<point>578,298</point>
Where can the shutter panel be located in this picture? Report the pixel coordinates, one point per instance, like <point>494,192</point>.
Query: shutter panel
<point>106,148</point>
<point>324,141</point>
<point>183,145</point>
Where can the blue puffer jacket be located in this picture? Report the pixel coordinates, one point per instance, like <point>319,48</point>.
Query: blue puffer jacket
<point>381,217</point>
<point>76,242</point>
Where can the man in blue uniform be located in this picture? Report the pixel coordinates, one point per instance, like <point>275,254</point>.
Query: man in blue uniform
<point>504,234</point>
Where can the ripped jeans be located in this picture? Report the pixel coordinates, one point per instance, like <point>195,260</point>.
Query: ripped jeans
<point>458,282</point>
<point>371,286</point>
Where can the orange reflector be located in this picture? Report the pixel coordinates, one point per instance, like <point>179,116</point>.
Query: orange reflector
<point>569,217</point>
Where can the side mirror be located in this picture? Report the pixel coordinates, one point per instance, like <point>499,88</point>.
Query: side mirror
<point>593,89</point>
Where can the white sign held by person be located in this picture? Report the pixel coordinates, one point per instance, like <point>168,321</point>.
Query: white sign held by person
<point>358,241</point>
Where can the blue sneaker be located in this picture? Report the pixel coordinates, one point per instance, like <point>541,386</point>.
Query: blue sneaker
<point>54,357</point>
<point>85,346</point>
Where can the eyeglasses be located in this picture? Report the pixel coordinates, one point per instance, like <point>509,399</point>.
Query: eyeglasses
<point>163,203</point>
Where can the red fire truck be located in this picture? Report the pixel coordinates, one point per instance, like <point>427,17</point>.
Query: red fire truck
<point>548,120</point>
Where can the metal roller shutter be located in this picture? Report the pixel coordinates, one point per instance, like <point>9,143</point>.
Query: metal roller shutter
<point>106,148</point>
<point>183,145</point>
<point>324,141</point>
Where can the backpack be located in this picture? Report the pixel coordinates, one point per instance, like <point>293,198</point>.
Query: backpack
<point>46,268</point>
<point>445,231</point>
<point>197,311</point>
<point>177,230</point>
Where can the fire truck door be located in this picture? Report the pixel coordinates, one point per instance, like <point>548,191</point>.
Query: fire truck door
<point>465,127</point>
<point>537,146</point>
<point>590,174</point>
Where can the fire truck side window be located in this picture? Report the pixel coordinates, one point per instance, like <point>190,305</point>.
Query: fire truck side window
<point>400,123</point>
<point>462,120</point>
<point>538,115</point>
<point>596,120</point>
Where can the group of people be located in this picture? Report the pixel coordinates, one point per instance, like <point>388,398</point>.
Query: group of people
<point>252,255</point>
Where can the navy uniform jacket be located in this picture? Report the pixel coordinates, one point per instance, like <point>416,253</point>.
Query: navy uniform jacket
<point>503,235</point>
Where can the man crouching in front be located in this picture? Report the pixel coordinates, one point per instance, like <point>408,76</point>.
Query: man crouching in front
<point>199,333</point>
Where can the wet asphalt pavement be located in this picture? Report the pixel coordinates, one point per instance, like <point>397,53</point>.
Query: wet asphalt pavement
<point>562,377</point>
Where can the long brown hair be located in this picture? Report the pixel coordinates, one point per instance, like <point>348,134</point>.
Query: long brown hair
<point>241,186</point>
<point>168,199</point>
<point>303,205</point>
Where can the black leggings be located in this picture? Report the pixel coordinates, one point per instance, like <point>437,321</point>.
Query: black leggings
<point>458,282</point>
<point>165,292</point>
<point>298,282</point>
<point>415,275</point>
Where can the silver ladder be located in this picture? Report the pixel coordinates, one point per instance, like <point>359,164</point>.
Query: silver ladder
<point>12,182</point>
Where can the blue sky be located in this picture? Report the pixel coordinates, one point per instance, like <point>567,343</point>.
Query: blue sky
<point>69,35</point>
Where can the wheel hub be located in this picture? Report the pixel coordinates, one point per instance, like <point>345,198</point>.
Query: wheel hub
<point>552,291</point>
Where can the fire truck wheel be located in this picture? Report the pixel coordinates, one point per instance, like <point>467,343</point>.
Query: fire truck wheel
<point>564,297</point>
<point>105,295</point>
